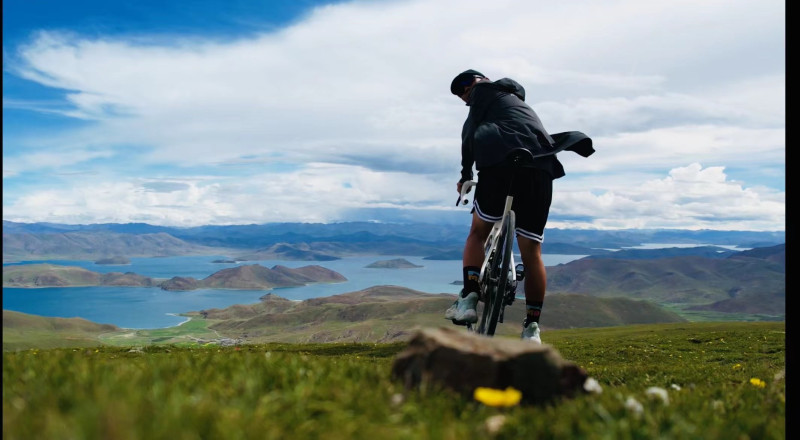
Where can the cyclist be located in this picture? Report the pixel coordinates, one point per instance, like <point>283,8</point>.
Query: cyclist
<point>498,122</point>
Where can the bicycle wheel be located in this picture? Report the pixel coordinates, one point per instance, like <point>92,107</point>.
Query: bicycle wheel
<point>496,300</point>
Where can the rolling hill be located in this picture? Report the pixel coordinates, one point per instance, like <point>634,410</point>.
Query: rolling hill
<point>390,313</point>
<point>250,277</point>
<point>21,330</point>
<point>749,281</point>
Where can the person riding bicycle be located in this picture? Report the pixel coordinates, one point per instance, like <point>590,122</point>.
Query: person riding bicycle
<point>499,121</point>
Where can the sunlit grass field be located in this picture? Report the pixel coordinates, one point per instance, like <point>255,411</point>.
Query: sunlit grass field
<point>715,380</point>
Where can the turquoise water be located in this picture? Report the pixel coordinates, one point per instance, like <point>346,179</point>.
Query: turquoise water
<point>151,307</point>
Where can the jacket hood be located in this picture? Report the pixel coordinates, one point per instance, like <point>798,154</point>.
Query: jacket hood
<point>510,86</point>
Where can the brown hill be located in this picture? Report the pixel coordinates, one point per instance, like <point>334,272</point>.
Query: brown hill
<point>397,263</point>
<point>288,251</point>
<point>251,277</point>
<point>48,275</point>
<point>757,284</point>
<point>52,275</point>
<point>256,277</point>
<point>390,313</point>
<point>21,330</point>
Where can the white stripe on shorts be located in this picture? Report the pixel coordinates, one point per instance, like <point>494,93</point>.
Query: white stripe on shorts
<point>529,235</point>
<point>485,217</point>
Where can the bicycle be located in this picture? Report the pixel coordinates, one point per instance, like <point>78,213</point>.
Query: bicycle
<point>499,274</point>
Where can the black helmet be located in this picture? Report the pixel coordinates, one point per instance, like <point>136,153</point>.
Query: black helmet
<point>462,80</point>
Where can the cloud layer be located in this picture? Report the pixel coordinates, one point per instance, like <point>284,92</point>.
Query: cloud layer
<point>348,111</point>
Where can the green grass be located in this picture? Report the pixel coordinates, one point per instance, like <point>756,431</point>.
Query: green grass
<point>345,391</point>
<point>190,333</point>
<point>712,316</point>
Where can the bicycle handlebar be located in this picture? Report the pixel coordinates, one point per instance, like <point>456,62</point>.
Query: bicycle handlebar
<point>466,187</point>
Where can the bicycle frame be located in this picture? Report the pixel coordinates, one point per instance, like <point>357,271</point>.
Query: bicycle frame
<point>492,241</point>
<point>491,246</point>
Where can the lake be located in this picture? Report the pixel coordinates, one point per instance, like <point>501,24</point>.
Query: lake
<point>151,307</point>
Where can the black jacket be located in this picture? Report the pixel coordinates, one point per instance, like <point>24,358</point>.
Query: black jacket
<point>499,121</point>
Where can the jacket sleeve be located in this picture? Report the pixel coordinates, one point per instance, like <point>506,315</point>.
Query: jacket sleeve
<point>467,160</point>
<point>574,141</point>
<point>477,108</point>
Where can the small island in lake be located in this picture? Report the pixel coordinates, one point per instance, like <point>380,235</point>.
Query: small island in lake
<point>113,260</point>
<point>397,263</point>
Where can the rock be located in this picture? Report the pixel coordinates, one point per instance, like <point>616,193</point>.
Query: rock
<point>463,361</point>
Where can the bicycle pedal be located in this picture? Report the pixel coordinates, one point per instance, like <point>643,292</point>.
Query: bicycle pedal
<point>520,272</point>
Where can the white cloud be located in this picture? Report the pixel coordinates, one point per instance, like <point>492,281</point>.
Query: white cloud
<point>317,193</point>
<point>360,90</point>
<point>692,195</point>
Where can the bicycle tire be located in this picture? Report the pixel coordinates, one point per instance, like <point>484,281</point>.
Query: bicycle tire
<point>488,282</point>
<point>488,287</point>
<point>500,267</point>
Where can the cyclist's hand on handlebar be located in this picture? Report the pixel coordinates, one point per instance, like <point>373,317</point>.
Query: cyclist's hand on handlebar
<point>463,191</point>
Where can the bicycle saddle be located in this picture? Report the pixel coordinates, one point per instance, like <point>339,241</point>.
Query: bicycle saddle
<point>520,156</point>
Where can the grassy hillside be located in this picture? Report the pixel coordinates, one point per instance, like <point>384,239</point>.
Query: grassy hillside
<point>52,275</point>
<point>23,331</point>
<point>691,280</point>
<point>250,277</point>
<point>40,275</point>
<point>719,381</point>
<point>377,314</point>
<point>390,313</point>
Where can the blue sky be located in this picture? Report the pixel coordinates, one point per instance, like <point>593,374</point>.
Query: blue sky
<point>189,113</point>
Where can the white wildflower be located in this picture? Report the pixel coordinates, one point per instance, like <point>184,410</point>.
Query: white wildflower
<point>397,399</point>
<point>592,386</point>
<point>634,406</point>
<point>676,387</point>
<point>495,423</point>
<point>658,393</point>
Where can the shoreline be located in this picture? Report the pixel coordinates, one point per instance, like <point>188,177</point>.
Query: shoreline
<point>188,318</point>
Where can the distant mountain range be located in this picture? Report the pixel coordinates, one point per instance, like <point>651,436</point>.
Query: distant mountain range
<point>321,242</point>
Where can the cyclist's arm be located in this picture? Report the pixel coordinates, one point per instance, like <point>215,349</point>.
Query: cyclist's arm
<point>467,160</point>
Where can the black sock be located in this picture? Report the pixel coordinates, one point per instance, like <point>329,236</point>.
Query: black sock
<point>471,275</point>
<point>533,311</point>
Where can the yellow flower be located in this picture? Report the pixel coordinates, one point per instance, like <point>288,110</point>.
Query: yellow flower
<point>758,382</point>
<point>495,397</point>
<point>737,366</point>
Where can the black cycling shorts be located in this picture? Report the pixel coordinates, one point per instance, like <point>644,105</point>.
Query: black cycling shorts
<point>532,189</point>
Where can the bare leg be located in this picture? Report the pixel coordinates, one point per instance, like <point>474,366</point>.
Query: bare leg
<point>535,275</point>
<point>473,248</point>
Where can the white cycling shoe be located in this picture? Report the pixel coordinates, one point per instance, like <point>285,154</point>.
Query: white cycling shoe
<point>531,333</point>
<point>464,310</point>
